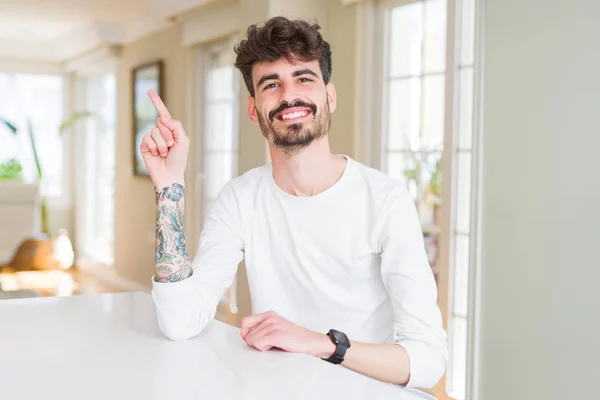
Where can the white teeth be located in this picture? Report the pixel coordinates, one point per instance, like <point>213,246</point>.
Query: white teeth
<point>294,115</point>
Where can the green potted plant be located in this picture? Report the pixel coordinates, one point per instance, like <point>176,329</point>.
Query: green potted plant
<point>65,126</point>
<point>11,127</point>
<point>17,201</point>
<point>11,170</point>
<point>61,250</point>
<point>434,188</point>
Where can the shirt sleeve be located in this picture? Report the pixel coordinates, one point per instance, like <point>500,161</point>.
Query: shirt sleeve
<point>408,278</point>
<point>184,308</point>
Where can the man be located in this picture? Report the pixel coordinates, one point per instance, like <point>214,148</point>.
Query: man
<point>334,250</point>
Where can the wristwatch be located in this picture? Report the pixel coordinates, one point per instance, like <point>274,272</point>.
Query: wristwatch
<point>341,345</point>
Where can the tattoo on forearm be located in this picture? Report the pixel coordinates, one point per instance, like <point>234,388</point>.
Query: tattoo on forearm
<point>173,263</point>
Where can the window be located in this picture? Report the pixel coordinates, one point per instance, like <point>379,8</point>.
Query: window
<point>413,130</point>
<point>40,99</point>
<point>415,134</point>
<point>219,96</point>
<point>96,175</point>
<point>220,130</point>
<point>462,183</point>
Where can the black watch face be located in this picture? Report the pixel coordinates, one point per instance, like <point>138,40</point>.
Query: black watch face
<point>340,338</point>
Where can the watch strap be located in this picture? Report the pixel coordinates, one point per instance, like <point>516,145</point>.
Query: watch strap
<point>338,355</point>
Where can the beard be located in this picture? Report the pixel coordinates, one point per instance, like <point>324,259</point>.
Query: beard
<point>294,137</point>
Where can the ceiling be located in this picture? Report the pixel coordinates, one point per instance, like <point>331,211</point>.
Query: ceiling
<point>56,30</point>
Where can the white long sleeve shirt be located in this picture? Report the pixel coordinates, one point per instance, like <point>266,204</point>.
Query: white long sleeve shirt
<point>351,258</point>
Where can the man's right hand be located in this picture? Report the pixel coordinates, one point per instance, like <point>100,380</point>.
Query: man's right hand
<point>165,149</point>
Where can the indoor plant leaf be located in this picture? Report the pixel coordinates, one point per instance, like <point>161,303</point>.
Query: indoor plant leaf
<point>9,125</point>
<point>72,120</point>
<point>10,170</point>
<point>33,148</point>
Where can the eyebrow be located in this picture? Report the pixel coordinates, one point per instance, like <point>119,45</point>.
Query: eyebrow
<point>299,72</point>
<point>266,78</point>
<point>305,71</point>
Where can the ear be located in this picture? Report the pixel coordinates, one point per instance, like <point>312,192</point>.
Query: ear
<point>252,113</point>
<point>331,96</point>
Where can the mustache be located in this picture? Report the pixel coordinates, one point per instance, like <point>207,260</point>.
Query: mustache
<point>285,105</point>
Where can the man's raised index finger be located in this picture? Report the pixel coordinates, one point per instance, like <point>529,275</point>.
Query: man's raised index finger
<point>158,103</point>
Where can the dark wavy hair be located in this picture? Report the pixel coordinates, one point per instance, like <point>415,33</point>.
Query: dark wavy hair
<point>295,40</point>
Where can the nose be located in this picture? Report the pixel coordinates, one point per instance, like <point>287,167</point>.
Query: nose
<point>289,94</point>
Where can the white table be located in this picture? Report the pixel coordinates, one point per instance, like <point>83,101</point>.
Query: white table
<point>109,347</point>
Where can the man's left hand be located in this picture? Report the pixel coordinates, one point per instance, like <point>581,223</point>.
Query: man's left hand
<point>270,330</point>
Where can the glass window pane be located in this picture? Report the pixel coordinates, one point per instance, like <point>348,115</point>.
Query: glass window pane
<point>218,172</point>
<point>219,79</point>
<point>403,111</point>
<point>413,173</point>
<point>43,96</point>
<point>432,118</point>
<point>463,192</point>
<point>396,163</point>
<point>433,173</point>
<point>467,40</point>
<point>219,126</point>
<point>97,172</point>
<point>37,98</point>
<point>461,275</point>
<point>406,25</point>
<point>220,132</point>
<point>457,373</point>
<point>431,182</point>
<point>426,216</point>
<point>434,36</point>
<point>106,172</point>
<point>465,109</point>
<point>9,141</point>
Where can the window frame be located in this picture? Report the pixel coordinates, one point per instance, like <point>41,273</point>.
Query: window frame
<point>379,151</point>
<point>65,200</point>
<point>81,143</point>
<point>201,56</point>
<point>376,26</point>
<point>202,60</point>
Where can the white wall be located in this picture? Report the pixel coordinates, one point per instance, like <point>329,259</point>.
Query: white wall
<point>541,201</point>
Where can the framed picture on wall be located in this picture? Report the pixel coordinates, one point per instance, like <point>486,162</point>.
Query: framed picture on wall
<point>144,77</point>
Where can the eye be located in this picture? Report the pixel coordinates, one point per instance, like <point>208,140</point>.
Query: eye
<point>270,86</point>
<point>304,80</point>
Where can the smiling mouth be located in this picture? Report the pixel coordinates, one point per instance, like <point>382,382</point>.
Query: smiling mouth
<point>293,115</point>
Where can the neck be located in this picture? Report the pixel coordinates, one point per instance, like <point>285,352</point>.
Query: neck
<point>308,172</point>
